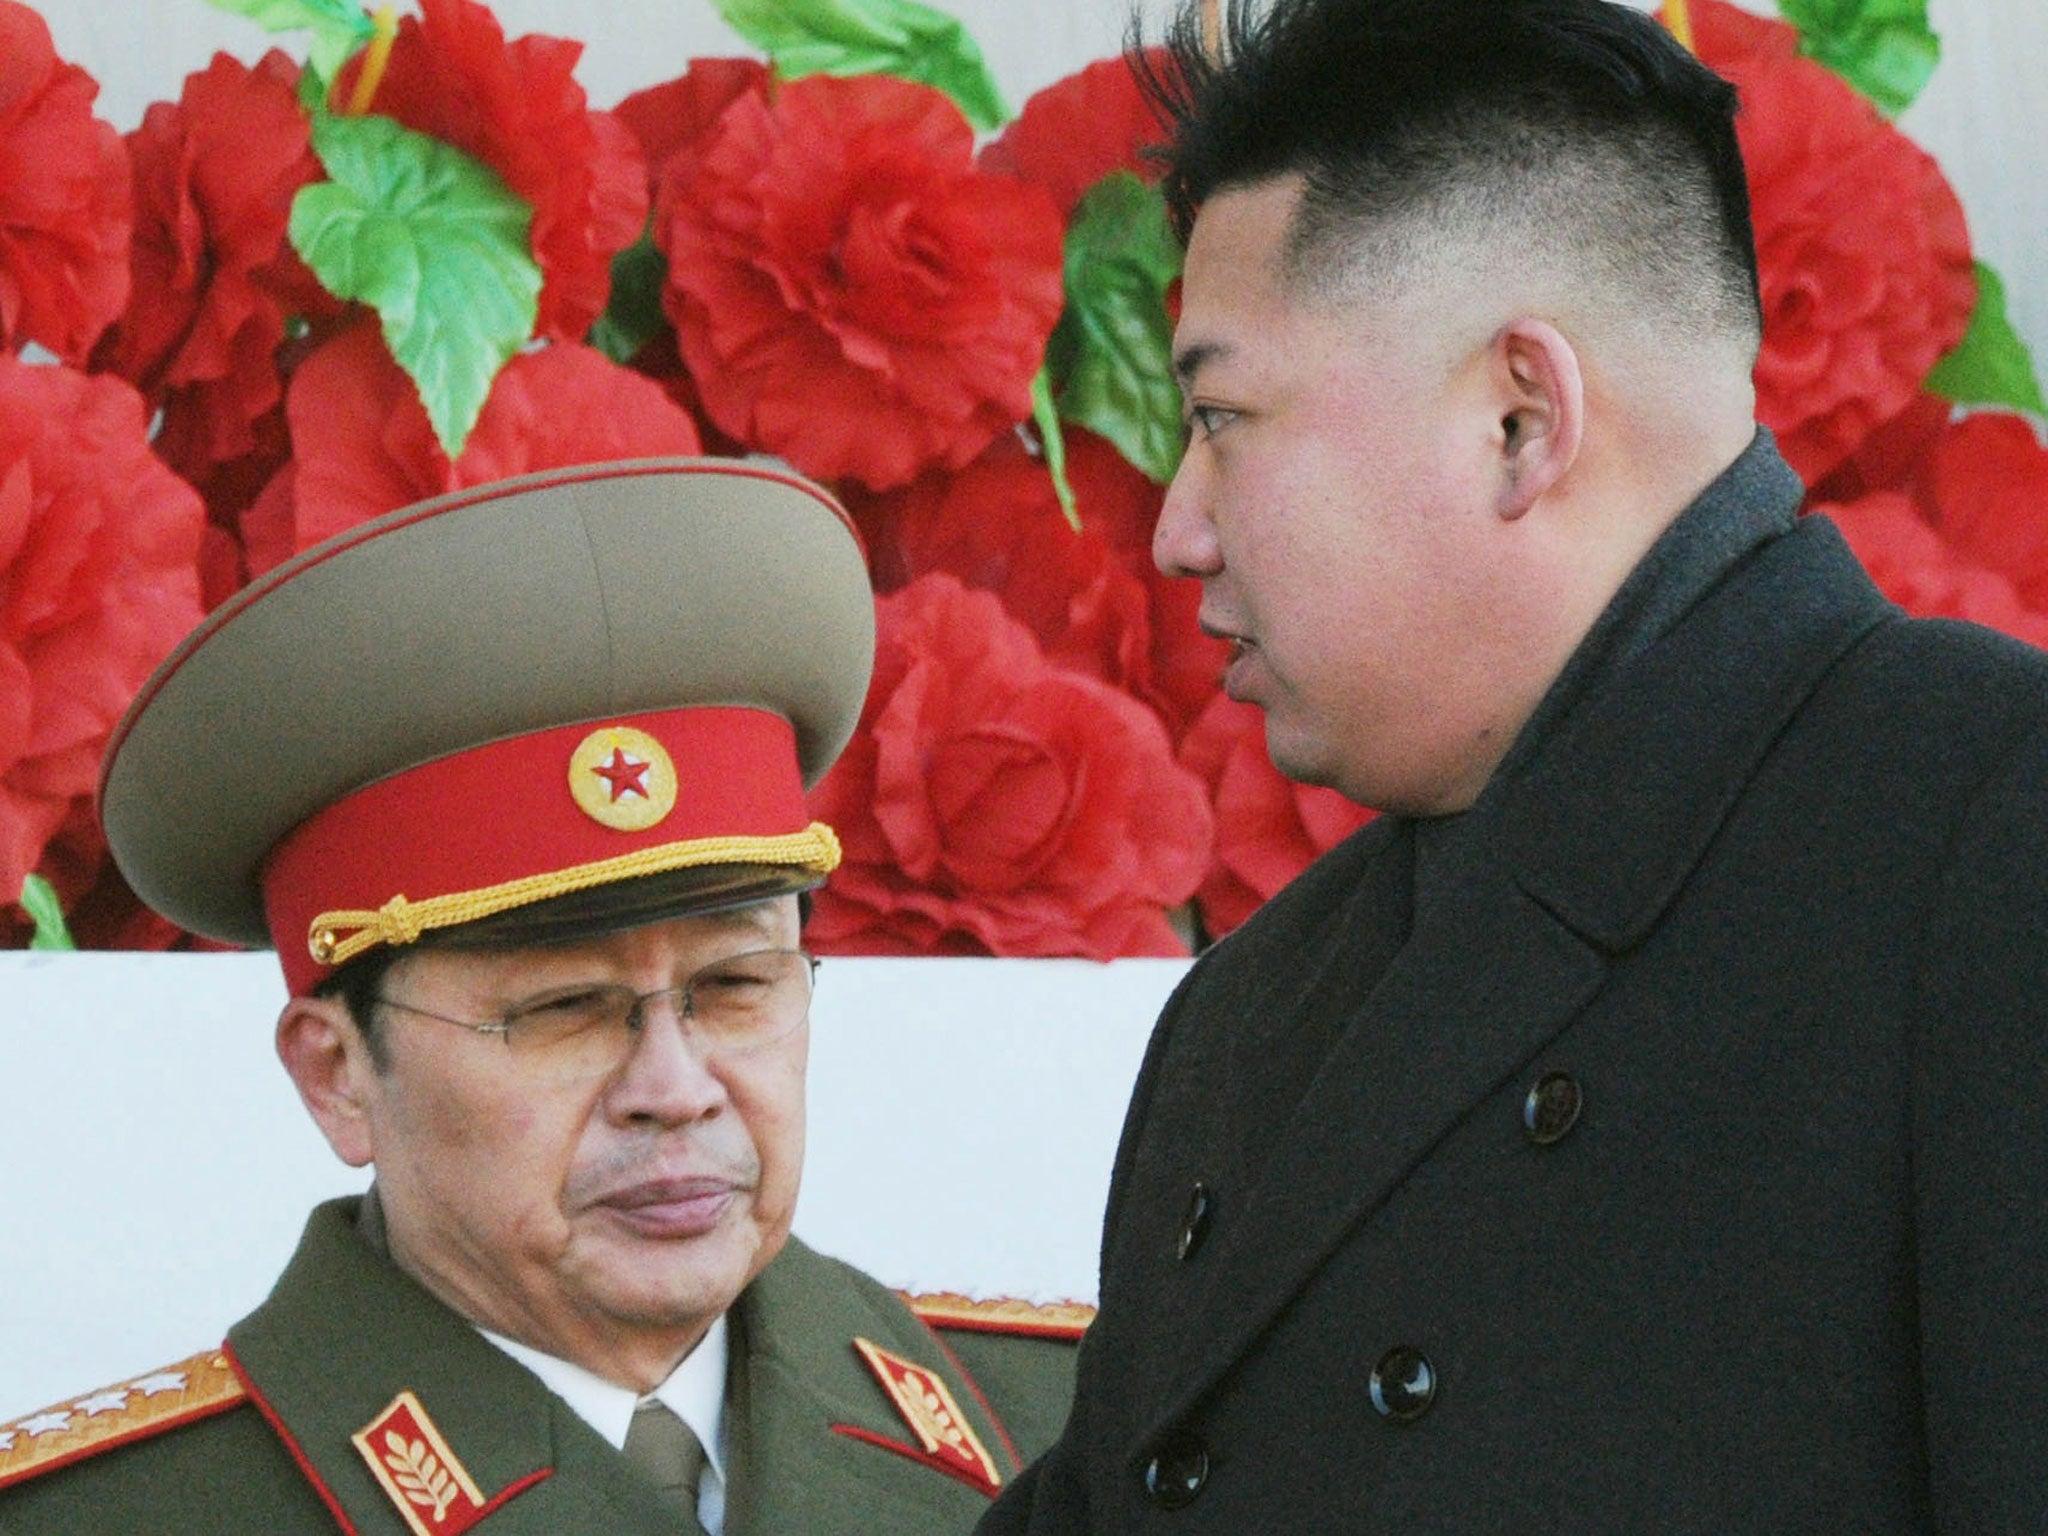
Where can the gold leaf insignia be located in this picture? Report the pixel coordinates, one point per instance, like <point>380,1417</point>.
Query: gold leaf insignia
<point>418,1471</point>
<point>425,1481</point>
<point>928,1407</point>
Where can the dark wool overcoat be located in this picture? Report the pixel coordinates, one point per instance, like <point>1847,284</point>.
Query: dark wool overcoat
<point>1661,1147</point>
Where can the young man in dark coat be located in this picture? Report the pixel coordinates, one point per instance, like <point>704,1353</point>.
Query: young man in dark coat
<point>514,782</point>
<point>1640,1127</point>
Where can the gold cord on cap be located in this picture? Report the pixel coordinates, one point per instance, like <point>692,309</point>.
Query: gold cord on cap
<point>337,937</point>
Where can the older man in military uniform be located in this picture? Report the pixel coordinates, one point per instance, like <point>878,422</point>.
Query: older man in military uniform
<point>514,781</point>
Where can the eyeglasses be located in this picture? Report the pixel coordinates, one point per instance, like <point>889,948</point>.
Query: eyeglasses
<point>730,1007</point>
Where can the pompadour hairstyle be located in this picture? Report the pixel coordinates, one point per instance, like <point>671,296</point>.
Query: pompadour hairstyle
<point>1580,123</point>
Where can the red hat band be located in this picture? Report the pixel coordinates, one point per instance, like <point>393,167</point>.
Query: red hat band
<point>524,819</point>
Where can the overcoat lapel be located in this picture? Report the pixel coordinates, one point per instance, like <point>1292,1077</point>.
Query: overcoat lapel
<point>1488,978</point>
<point>1607,825</point>
<point>1456,1013</point>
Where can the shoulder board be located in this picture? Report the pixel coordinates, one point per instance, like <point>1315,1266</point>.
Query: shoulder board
<point>1003,1314</point>
<point>70,1431</point>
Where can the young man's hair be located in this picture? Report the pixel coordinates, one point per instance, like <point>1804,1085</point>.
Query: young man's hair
<point>1577,130</point>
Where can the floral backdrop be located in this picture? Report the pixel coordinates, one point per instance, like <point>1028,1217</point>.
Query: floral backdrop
<point>300,295</point>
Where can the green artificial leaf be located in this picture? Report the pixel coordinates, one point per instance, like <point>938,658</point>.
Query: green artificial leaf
<point>437,244</point>
<point>872,37</point>
<point>1053,443</point>
<point>39,901</point>
<point>1885,48</point>
<point>1112,353</point>
<point>1990,365</point>
<point>312,90</point>
<point>339,27</point>
<point>634,315</point>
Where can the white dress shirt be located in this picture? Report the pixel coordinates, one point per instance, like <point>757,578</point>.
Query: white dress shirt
<point>694,1392</point>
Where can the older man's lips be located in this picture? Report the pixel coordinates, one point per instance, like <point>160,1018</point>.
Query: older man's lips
<point>672,1207</point>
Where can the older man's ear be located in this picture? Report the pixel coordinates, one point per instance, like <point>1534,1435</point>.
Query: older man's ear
<point>328,1061</point>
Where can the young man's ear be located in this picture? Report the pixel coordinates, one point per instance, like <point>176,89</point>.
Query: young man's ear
<point>328,1061</point>
<point>1541,395</point>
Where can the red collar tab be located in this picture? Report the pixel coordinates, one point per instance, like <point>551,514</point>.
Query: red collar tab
<point>947,1441</point>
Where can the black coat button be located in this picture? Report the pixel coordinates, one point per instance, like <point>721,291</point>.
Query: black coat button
<point>1403,1384</point>
<point>1177,1473</point>
<point>1552,1108</point>
<point>1194,1226</point>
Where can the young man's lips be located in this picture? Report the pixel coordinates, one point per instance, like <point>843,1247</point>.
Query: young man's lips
<point>1229,637</point>
<point>1233,668</point>
<point>671,1207</point>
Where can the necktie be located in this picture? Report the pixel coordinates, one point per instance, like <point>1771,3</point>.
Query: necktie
<point>665,1449</point>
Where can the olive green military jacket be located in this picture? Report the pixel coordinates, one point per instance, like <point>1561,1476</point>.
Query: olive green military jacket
<point>353,1400</point>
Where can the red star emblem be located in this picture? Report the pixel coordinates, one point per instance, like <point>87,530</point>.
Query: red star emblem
<point>626,775</point>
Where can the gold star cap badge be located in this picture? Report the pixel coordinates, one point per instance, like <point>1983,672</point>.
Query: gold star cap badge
<point>622,778</point>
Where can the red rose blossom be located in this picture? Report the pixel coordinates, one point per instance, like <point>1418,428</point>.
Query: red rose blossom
<point>1077,130</point>
<point>1268,828</point>
<point>362,445</point>
<point>98,543</point>
<point>215,175</point>
<point>1927,575</point>
<point>1863,253</point>
<point>517,107</point>
<point>1092,598</point>
<point>994,803</point>
<point>849,292</point>
<point>64,197</point>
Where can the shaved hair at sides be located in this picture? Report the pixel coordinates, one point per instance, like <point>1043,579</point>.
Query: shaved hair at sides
<point>1569,147</point>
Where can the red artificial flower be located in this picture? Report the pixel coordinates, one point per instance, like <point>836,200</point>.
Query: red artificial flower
<point>1926,574</point>
<point>1892,458</point>
<point>1092,598</point>
<point>517,107</point>
<point>1863,252</point>
<point>849,292</point>
<point>1268,828</point>
<point>98,544</point>
<point>994,803</point>
<point>100,910</point>
<point>677,115</point>
<point>64,197</point>
<point>1120,503</point>
<point>215,278</point>
<point>362,445</point>
<point>1079,129</point>
<point>1986,490</point>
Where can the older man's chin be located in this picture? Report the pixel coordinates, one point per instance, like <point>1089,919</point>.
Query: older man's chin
<point>662,1280</point>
